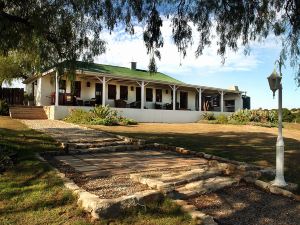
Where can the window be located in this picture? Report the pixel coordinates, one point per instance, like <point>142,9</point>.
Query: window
<point>112,91</point>
<point>229,105</point>
<point>77,89</point>
<point>216,100</point>
<point>123,92</point>
<point>149,95</point>
<point>158,95</point>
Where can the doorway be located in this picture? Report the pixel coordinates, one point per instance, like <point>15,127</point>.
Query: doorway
<point>183,100</point>
<point>138,94</point>
<point>98,93</point>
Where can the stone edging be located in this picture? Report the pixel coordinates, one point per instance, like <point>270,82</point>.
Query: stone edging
<point>98,207</point>
<point>198,216</point>
<point>267,186</point>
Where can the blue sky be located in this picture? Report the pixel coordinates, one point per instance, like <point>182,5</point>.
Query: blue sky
<point>249,72</point>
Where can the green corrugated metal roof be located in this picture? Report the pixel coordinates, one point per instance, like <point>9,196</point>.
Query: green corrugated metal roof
<point>126,72</point>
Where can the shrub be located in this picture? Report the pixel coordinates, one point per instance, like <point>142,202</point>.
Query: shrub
<point>98,116</point>
<point>297,117</point>
<point>287,115</point>
<point>125,122</point>
<point>78,116</point>
<point>273,116</point>
<point>4,109</point>
<point>223,119</point>
<point>208,116</point>
<point>103,112</point>
<point>241,116</point>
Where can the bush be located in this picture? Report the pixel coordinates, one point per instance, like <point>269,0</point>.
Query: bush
<point>208,116</point>
<point>4,109</point>
<point>297,117</point>
<point>254,116</point>
<point>223,119</point>
<point>125,122</point>
<point>287,115</point>
<point>78,116</point>
<point>98,116</point>
<point>241,116</point>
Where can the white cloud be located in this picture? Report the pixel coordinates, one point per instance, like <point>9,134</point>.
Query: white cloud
<point>122,49</point>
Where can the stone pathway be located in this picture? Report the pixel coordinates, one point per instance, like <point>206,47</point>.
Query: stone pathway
<point>115,169</point>
<point>67,132</point>
<point>179,175</point>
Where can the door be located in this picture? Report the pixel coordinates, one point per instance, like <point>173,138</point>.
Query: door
<point>77,89</point>
<point>183,100</point>
<point>138,94</point>
<point>98,93</point>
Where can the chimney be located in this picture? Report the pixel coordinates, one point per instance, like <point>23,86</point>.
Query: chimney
<point>133,65</point>
<point>234,88</point>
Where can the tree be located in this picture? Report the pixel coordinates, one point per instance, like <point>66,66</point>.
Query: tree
<point>69,29</point>
<point>17,65</point>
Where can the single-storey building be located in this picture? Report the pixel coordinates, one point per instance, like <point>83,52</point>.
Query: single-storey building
<point>135,93</point>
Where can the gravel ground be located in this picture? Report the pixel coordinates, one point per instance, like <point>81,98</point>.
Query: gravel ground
<point>105,188</point>
<point>247,205</point>
<point>46,124</point>
<point>62,131</point>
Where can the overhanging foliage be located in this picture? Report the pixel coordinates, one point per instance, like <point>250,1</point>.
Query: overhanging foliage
<point>67,30</point>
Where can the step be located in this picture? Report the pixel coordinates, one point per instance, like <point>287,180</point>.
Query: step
<point>128,147</point>
<point>27,113</point>
<point>87,140</point>
<point>190,176</point>
<point>96,145</point>
<point>197,188</point>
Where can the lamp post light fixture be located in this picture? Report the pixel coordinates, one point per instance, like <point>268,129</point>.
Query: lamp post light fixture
<point>275,84</point>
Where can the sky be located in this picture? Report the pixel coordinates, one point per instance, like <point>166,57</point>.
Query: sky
<point>248,72</point>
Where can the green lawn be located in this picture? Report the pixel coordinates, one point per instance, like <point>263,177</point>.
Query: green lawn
<point>31,193</point>
<point>239,142</point>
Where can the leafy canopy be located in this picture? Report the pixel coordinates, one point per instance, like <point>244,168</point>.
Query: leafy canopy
<point>70,29</point>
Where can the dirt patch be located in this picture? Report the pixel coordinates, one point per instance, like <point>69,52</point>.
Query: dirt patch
<point>244,204</point>
<point>105,188</point>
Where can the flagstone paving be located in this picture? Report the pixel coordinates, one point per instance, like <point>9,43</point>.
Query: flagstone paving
<point>117,163</point>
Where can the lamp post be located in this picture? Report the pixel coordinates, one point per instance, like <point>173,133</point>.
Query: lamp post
<point>275,84</point>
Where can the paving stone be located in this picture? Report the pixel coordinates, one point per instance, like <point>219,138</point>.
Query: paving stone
<point>204,186</point>
<point>191,175</point>
<point>86,168</point>
<point>65,157</point>
<point>98,173</point>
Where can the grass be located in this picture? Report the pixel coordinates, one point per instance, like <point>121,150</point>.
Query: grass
<point>31,193</point>
<point>239,142</point>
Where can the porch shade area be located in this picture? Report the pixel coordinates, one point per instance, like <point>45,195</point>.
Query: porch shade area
<point>92,90</point>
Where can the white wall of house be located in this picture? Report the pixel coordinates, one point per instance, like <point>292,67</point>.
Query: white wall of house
<point>140,115</point>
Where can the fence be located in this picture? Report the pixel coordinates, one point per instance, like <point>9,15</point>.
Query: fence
<point>13,96</point>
